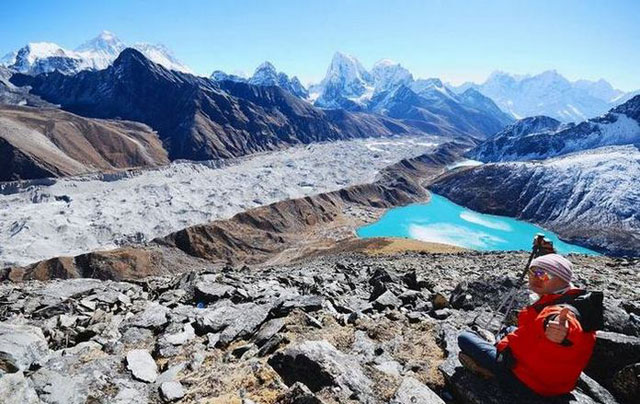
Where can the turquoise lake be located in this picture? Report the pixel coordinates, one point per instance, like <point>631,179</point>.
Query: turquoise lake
<point>442,221</point>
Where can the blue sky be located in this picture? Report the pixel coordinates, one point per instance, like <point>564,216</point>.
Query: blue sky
<point>455,40</point>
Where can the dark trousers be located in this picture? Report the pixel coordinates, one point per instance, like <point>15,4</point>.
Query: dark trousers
<point>484,353</point>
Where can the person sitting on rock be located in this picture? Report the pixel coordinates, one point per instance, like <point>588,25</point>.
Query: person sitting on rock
<point>554,338</point>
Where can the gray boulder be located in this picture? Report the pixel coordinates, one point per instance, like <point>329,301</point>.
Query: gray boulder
<point>207,289</point>
<point>142,365</point>
<point>232,321</point>
<point>154,317</point>
<point>268,330</point>
<point>412,391</point>
<point>318,364</point>
<point>171,391</point>
<point>386,300</point>
<point>307,303</point>
<point>298,393</point>
<point>611,353</point>
<point>21,346</point>
<point>181,338</point>
<point>57,388</point>
<point>626,382</point>
<point>18,389</point>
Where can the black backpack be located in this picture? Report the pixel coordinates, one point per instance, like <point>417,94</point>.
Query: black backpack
<point>587,307</point>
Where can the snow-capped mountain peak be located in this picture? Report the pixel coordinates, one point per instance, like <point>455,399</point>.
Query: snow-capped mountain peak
<point>549,93</point>
<point>95,54</point>
<point>161,55</point>
<point>28,57</point>
<point>101,50</point>
<point>265,75</point>
<point>388,74</point>
<point>347,69</point>
<point>106,42</point>
<point>542,137</point>
<point>347,84</point>
<point>431,88</point>
<point>599,89</point>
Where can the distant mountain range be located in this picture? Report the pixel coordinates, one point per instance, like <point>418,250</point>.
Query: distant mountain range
<point>550,94</point>
<point>542,137</point>
<point>197,118</point>
<point>389,90</point>
<point>95,54</point>
<point>266,75</point>
<point>349,85</point>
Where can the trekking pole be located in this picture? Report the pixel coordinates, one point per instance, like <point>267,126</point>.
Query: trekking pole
<point>511,296</point>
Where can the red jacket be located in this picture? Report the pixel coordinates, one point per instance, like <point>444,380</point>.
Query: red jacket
<point>546,367</point>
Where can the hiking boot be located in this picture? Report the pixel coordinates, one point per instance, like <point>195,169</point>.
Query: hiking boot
<point>473,366</point>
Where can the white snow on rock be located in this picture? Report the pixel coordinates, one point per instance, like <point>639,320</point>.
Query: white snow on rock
<point>139,206</point>
<point>602,184</point>
<point>95,54</point>
<point>389,75</point>
<point>549,93</point>
<point>346,78</point>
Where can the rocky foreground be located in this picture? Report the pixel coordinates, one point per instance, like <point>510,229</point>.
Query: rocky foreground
<point>346,328</point>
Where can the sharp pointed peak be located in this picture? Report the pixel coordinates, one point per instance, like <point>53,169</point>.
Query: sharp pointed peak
<point>386,62</point>
<point>338,56</point>
<point>131,55</point>
<point>266,65</point>
<point>104,34</point>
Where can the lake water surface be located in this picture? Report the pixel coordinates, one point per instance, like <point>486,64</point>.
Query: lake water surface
<point>442,221</point>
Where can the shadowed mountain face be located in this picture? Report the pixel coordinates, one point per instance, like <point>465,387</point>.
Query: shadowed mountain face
<point>196,118</point>
<point>443,111</point>
<point>48,142</point>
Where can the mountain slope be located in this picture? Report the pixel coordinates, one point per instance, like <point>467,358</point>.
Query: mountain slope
<point>445,113</point>
<point>195,117</point>
<point>390,89</point>
<point>47,142</point>
<point>543,137</point>
<point>590,197</point>
<point>550,94</point>
<point>12,95</point>
<point>95,54</point>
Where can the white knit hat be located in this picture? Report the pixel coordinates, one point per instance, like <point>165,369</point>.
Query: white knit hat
<point>555,264</point>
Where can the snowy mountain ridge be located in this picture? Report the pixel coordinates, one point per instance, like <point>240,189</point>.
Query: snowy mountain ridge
<point>543,137</point>
<point>266,75</point>
<point>549,93</point>
<point>96,54</point>
<point>588,197</point>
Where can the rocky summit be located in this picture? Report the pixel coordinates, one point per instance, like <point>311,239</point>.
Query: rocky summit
<point>344,328</point>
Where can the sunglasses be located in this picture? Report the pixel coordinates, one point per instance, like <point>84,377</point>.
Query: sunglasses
<point>539,273</point>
